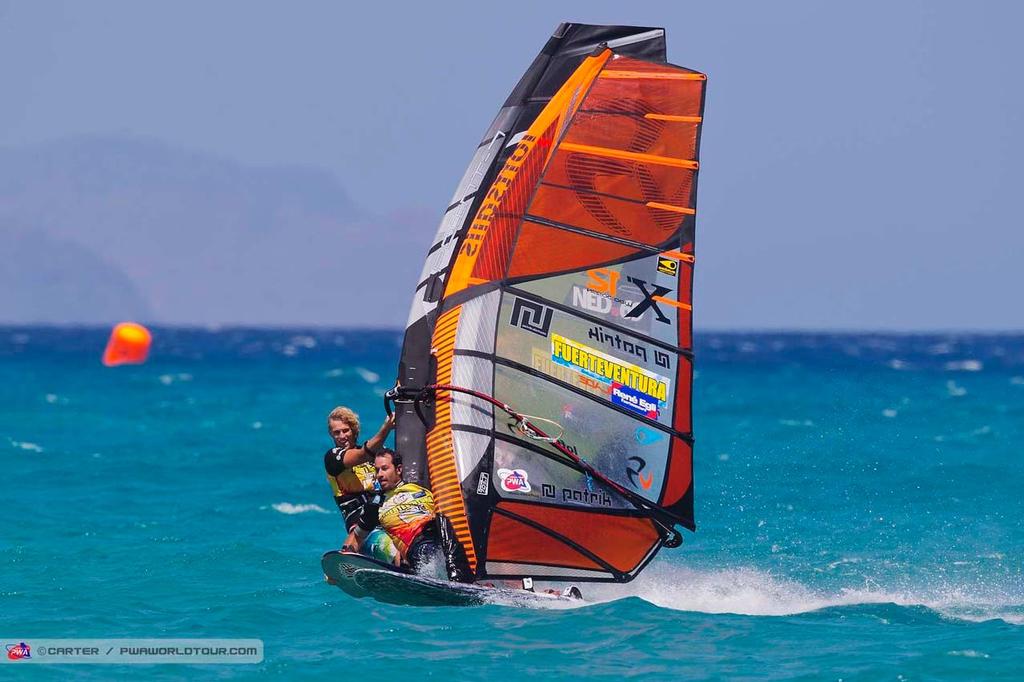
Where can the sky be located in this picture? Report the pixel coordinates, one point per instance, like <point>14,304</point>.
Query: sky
<point>860,162</point>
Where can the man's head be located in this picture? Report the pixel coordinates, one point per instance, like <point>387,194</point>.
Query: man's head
<point>389,469</point>
<point>343,426</point>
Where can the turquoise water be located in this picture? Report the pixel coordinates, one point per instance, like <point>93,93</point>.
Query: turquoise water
<point>859,503</point>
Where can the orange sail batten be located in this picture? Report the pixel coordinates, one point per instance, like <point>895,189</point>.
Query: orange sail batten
<point>444,479</point>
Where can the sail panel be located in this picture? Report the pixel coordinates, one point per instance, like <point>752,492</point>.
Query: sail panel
<point>610,441</point>
<point>567,295</point>
<point>544,250</point>
<point>479,338</point>
<point>524,476</point>
<point>470,449</point>
<point>570,538</point>
<point>476,374</point>
<point>598,206</point>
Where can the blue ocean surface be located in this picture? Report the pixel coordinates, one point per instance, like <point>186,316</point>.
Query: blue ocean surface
<point>859,502</point>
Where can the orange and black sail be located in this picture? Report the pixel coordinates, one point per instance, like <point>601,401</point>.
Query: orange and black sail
<point>560,284</point>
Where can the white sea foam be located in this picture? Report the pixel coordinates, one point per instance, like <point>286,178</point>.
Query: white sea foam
<point>303,341</point>
<point>889,412</point>
<point>796,422</point>
<point>367,376</point>
<point>26,445</point>
<point>754,592</point>
<point>896,363</point>
<point>168,379</point>
<point>289,508</point>
<point>955,389</point>
<point>968,653</point>
<point>964,366</point>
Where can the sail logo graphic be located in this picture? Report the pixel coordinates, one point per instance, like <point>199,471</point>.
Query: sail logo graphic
<point>601,293</point>
<point>636,475</point>
<point>514,480</point>
<point>668,266</point>
<point>18,652</point>
<point>492,200</point>
<point>636,401</point>
<point>651,299</point>
<point>632,387</point>
<point>533,317</point>
<point>646,436</point>
<point>617,342</point>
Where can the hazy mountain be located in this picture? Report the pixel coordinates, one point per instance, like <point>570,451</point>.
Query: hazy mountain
<point>97,229</point>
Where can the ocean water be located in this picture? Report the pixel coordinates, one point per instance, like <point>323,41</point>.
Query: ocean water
<point>859,502</point>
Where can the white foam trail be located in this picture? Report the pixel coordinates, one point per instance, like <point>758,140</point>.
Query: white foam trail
<point>754,592</point>
<point>289,508</point>
<point>25,445</point>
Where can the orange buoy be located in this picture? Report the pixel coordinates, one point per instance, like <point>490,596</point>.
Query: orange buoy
<point>128,345</point>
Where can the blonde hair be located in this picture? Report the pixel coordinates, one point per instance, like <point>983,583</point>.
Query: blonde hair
<point>345,415</point>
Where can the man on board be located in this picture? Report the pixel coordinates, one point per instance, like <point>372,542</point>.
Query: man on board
<point>352,475</point>
<point>408,513</point>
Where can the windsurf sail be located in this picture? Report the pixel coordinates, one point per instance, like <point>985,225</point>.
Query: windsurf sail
<point>549,341</point>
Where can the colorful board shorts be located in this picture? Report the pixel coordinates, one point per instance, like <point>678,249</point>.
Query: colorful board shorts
<point>379,545</point>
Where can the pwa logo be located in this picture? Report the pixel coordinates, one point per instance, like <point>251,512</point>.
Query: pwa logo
<point>17,652</point>
<point>636,473</point>
<point>514,480</point>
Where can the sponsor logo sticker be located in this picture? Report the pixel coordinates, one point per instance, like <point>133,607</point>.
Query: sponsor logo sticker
<point>646,436</point>
<point>533,317</point>
<point>636,475</point>
<point>629,385</point>
<point>668,266</point>
<point>514,480</point>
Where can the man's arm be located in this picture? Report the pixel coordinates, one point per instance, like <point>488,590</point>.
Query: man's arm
<point>368,450</point>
